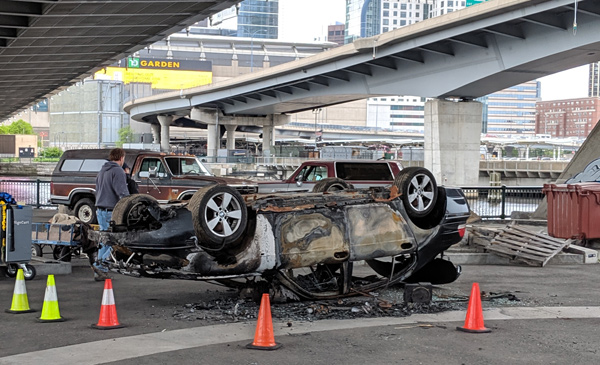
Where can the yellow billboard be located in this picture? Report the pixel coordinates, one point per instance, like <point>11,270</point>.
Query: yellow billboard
<point>174,75</point>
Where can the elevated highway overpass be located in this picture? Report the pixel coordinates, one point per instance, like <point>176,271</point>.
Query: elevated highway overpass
<point>458,56</point>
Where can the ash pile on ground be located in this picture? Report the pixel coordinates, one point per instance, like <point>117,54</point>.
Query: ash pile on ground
<point>383,303</point>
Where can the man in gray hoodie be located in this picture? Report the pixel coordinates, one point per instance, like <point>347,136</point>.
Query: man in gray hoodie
<point>111,186</point>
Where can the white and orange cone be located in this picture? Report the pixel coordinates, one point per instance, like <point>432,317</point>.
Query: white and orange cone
<point>108,311</point>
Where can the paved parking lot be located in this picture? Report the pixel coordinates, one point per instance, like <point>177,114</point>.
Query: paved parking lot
<point>537,316</point>
<point>158,328</point>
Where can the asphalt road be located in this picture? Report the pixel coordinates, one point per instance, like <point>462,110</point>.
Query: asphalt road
<point>554,320</point>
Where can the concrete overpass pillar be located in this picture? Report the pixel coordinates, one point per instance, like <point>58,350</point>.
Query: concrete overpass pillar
<point>211,140</point>
<point>267,137</point>
<point>452,139</point>
<point>231,136</point>
<point>155,133</point>
<point>165,122</point>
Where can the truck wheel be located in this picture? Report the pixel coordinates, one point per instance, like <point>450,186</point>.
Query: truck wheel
<point>331,184</point>
<point>219,215</point>
<point>85,211</point>
<point>418,191</point>
<point>134,211</point>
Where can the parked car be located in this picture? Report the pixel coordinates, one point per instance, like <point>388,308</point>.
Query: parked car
<point>357,173</point>
<point>296,245</point>
<point>166,177</point>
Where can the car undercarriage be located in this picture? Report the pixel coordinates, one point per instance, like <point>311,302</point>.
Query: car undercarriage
<point>299,246</point>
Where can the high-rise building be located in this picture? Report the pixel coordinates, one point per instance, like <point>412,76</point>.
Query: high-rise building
<point>363,19</point>
<point>441,7</point>
<point>512,110</point>
<point>594,82</point>
<point>366,18</point>
<point>250,18</point>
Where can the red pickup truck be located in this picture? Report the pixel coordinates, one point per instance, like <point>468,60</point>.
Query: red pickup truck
<point>359,173</point>
<point>164,176</point>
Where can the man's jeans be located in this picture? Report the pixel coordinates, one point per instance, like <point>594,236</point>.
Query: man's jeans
<point>104,217</point>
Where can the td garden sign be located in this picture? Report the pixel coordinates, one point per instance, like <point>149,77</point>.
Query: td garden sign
<point>160,73</point>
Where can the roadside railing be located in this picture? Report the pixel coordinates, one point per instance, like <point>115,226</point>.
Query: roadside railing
<point>30,192</point>
<point>498,202</point>
<point>489,202</point>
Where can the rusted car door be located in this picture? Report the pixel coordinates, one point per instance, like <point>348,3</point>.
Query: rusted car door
<point>156,186</point>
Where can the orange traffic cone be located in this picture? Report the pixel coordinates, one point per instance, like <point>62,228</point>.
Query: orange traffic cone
<point>20,304</point>
<point>108,311</point>
<point>474,320</point>
<point>263,337</point>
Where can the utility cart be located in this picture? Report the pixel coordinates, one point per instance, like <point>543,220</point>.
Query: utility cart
<point>63,238</point>
<point>15,235</point>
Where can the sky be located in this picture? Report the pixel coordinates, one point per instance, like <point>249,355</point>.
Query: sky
<point>303,21</point>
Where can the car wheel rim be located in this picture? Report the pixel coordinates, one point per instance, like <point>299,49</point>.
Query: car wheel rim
<point>85,213</point>
<point>420,192</point>
<point>223,214</point>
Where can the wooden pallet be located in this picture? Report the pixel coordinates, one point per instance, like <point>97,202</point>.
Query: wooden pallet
<point>522,245</point>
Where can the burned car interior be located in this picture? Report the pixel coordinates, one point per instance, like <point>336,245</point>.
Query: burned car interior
<point>298,246</point>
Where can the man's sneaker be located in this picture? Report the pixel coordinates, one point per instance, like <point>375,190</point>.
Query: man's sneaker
<point>101,277</point>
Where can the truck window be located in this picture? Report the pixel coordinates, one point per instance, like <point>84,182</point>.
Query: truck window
<point>186,165</point>
<point>147,163</point>
<point>312,173</point>
<point>363,171</point>
<point>82,165</point>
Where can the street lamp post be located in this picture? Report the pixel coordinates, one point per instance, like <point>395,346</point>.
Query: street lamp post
<point>316,113</point>
<point>252,48</point>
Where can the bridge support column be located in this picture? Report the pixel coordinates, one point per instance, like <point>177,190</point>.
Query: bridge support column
<point>155,133</point>
<point>267,138</point>
<point>165,122</point>
<point>452,139</point>
<point>231,136</point>
<point>211,140</point>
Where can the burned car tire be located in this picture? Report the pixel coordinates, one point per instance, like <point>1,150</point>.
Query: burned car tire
<point>331,184</point>
<point>219,215</point>
<point>418,191</point>
<point>85,211</point>
<point>134,211</point>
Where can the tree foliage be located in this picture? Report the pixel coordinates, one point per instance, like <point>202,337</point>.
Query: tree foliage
<point>18,127</point>
<point>125,136</point>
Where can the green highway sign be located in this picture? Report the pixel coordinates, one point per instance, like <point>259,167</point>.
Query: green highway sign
<point>475,2</point>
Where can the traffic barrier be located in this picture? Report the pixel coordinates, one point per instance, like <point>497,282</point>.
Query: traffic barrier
<point>474,320</point>
<point>50,311</point>
<point>20,304</point>
<point>108,311</point>
<point>263,337</point>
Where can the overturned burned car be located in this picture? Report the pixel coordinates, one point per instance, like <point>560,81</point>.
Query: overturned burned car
<point>300,245</point>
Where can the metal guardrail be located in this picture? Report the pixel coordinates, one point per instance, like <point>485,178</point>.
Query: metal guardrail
<point>498,202</point>
<point>30,192</point>
<point>493,202</point>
